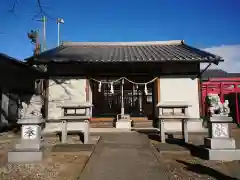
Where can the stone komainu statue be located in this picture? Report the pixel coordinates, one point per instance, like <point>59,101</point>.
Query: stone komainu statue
<point>215,106</point>
<point>33,108</point>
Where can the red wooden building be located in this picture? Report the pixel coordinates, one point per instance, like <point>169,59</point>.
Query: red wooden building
<point>226,85</point>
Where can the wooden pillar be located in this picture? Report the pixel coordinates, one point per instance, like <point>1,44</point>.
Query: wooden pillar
<point>200,97</point>
<point>133,89</point>
<point>46,97</point>
<point>156,100</point>
<point>158,90</point>
<point>87,84</point>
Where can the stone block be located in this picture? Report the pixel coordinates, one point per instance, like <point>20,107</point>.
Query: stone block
<point>31,120</point>
<point>220,143</point>
<point>193,125</point>
<point>56,126</point>
<point>29,145</point>
<point>221,119</point>
<point>223,154</point>
<point>123,117</point>
<point>25,156</point>
<point>124,124</point>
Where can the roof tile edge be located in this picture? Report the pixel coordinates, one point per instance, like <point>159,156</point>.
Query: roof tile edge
<point>172,42</point>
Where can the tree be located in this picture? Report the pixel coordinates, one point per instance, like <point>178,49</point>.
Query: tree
<point>33,35</point>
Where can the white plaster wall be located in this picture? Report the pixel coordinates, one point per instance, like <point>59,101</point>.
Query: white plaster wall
<point>181,89</point>
<point>65,90</point>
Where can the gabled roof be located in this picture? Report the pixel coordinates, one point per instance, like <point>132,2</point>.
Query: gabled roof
<point>218,73</point>
<point>154,51</point>
<point>16,75</point>
<point>214,73</point>
<point>8,64</point>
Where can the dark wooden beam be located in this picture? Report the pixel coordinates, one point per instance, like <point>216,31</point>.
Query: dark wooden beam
<point>123,69</point>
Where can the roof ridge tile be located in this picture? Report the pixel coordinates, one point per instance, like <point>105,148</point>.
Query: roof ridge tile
<point>137,43</point>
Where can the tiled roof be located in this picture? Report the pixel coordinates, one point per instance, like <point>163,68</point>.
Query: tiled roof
<point>9,63</point>
<point>218,73</point>
<point>214,73</point>
<point>125,52</point>
<point>17,76</point>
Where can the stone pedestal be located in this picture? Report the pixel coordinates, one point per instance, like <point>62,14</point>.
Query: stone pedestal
<point>219,144</point>
<point>29,147</point>
<point>124,122</point>
<point>75,115</point>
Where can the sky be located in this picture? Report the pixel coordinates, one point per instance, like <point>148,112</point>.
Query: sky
<point>212,25</point>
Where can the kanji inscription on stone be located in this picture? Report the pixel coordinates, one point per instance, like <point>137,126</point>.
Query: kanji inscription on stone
<point>29,132</point>
<point>220,130</point>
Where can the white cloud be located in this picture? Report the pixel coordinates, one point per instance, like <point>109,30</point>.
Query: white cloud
<point>231,56</point>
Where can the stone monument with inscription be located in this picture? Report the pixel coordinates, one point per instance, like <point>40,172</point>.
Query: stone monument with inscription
<point>29,147</point>
<point>219,144</point>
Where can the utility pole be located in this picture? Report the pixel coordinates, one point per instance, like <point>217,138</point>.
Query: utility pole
<point>59,21</point>
<point>43,20</point>
<point>44,33</point>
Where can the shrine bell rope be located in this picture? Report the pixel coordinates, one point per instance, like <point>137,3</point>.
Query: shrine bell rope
<point>122,79</point>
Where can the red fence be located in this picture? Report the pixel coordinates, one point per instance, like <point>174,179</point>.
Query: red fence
<point>227,89</point>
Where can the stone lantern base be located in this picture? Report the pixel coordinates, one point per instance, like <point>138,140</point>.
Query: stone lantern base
<point>29,147</point>
<point>123,122</point>
<point>219,145</point>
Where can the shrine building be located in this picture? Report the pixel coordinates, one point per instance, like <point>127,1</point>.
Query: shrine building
<point>149,72</point>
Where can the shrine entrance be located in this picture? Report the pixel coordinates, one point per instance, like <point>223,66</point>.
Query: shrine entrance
<point>107,99</point>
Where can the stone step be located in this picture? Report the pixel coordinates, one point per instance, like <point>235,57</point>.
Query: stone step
<point>142,121</point>
<point>142,124</point>
<point>145,122</point>
<point>101,124</point>
<point>108,130</point>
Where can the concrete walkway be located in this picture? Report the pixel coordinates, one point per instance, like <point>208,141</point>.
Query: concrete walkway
<point>123,156</point>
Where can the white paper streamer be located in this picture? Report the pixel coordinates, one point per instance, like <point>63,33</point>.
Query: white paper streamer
<point>112,90</point>
<point>99,86</point>
<point>145,89</point>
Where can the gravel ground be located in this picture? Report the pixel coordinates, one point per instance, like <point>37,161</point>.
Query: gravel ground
<point>59,166</point>
<point>183,166</point>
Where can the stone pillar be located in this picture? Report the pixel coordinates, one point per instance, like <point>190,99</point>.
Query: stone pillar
<point>29,147</point>
<point>140,103</point>
<point>219,144</point>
